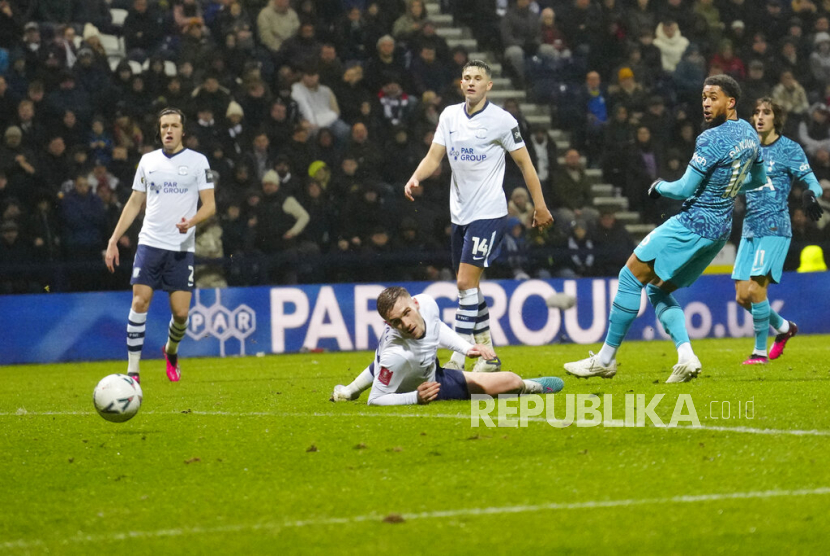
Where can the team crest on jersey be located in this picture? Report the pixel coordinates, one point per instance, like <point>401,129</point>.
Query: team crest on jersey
<point>454,153</point>
<point>481,133</point>
<point>182,170</point>
<point>385,376</point>
<point>154,187</point>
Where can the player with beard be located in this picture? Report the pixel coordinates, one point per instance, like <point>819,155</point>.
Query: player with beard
<point>726,162</point>
<point>767,229</point>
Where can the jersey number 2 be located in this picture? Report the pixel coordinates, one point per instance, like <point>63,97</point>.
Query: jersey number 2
<point>190,278</point>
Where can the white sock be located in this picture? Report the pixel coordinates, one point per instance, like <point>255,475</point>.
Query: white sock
<point>684,352</point>
<point>136,325</point>
<point>607,354</point>
<point>761,353</point>
<point>784,327</point>
<point>362,382</point>
<point>531,387</point>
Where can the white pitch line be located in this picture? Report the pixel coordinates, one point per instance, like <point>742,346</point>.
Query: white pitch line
<point>455,416</point>
<point>462,512</point>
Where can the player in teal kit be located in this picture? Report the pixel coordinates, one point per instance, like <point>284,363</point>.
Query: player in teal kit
<point>727,161</point>
<point>767,230</point>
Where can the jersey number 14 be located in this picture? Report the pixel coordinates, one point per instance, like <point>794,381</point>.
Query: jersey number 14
<point>738,177</point>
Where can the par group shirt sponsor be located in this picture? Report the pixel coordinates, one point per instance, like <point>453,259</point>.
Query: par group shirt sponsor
<point>172,184</point>
<point>476,147</point>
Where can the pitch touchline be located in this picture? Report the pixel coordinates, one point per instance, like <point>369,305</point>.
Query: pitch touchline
<point>456,416</point>
<point>463,512</point>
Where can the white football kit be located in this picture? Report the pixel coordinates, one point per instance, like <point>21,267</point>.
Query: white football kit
<point>476,146</point>
<point>172,184</point>
<point>402,364</point>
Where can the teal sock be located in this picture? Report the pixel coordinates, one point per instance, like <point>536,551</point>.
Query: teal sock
<point>624,309</point>
<point>669,314</point>
<point>760,322</point>
<point>775,320</point>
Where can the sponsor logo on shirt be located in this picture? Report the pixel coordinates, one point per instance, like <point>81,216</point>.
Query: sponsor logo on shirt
<point>168,187</point>
<point>385,376</point>
<point>467,155</point>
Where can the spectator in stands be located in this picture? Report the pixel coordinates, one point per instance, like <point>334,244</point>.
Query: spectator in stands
<point>544,155</point>
<point>554,43</point>
<point>645,164</point>
<point>581,23</point>
<point>276,23</point>
<point>706,11</point>
<point>53,165</point>
<point>317,103</point>
<point>260,158</point>
<point>814,132</point>
<point>143,30</point>
<point>619,135</point>
<point>364,150</point>
<point>44,230</point>
<point>429,73</point>
<point>612,244</point>
<point>640,18</point>
<point>580,257</point>
<point>756,86</point>
<point>678,11</point>
<point>291,182</point>
<point>728,62</point>
<point>101,177</point>
<point>330,66</point>
<point>278,220</point>
<point>790,59</point>
<point>400,157</point>
<point>521,35</point>
<point>94,12</point>
<point>791,96</point>
<point>628,92</point>
<point>396,106</point>
<point>689,74</point>
<point>10,24</point>
<point>592,109</point>
<point>386,67</point>
<point>684,140</point>
<point>672,44</point>
<point>572,195</point>
<point>211,93</point>
<point>322,224</point>
<point>821,164</point>
<point>409,24</point>
<point>820,59</point>
<point>658,120</point>
<point>521,207</point>
<point>353,35</point>
<point>14,250</point>
<point>84,220</point>
<point>303,48</point>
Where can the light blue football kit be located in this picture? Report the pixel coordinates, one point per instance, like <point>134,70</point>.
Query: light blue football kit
<point>767,230</point>
<point>727,160</point>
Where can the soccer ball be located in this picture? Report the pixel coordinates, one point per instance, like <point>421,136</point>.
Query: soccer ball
<point>117,398</point>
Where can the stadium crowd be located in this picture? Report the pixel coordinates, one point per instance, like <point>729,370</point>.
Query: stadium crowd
<point>313,114</point>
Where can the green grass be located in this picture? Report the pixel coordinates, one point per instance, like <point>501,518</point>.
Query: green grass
<point>72,483</point>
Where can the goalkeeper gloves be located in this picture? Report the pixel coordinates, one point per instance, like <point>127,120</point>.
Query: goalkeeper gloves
<point>652,190</point>
<point>810,205</point>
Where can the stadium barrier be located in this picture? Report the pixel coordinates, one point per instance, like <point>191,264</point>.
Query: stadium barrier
<point>46,328</point>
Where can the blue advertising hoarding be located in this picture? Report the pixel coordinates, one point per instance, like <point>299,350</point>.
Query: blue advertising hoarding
<point>246,321</point>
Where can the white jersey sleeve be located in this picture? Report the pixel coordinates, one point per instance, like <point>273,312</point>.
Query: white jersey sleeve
<point>441,136</point>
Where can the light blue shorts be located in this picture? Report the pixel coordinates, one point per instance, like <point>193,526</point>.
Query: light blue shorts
<point>680,256</point>
<point>761,256</point>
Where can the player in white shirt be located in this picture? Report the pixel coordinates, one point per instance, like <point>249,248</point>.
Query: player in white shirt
<point>477,134</point>
<point>172,180</point>
<point>406,370</point>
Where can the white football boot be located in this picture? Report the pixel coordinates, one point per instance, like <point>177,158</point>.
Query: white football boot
<point>586,368</point>
<point>684,372</point>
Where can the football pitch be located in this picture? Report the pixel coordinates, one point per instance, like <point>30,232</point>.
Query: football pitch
<point>248,456</point>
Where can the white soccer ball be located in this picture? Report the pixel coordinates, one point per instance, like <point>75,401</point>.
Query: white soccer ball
<point>117,398</point>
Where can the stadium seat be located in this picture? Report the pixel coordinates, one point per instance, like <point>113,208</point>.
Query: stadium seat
<point>113,46</point>
<point>136,67</point>
<point>170,68</point>
<point>118,16</point>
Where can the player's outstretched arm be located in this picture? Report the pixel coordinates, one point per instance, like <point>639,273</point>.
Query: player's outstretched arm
<point>128,214</point>
<point>425,169</point>
<point>679,190</point>
<point>207,210</point>
<point>542,217</point>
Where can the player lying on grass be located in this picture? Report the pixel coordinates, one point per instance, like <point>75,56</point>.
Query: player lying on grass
<point>406,369</point>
